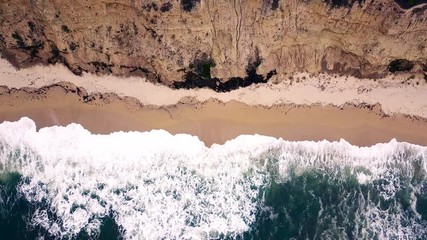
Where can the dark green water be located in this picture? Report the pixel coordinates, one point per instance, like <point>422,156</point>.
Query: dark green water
<point>66,183</point>
<point>16,214</point>
<point>317,206</point>
<point>313,205</point>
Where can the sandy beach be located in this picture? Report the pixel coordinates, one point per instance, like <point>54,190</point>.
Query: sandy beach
<point>361,111</point>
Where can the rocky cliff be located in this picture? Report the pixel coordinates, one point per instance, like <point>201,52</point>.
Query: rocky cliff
<point>217,43</point>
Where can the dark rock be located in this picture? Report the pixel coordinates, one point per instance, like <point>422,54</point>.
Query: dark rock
<point>274,4</point>
<point>19,40</point>
<point>55,54</point>
<point>400,65</point>
<point>65,29</point>
<point>166,7</point>
<point>342,3</point>
<point>193,80</point>
<point>101,67</point>
<point>406,4</point>
<point>189,5</point>
<point>32,26</point>
<point>199,76</point>
<point>73,46</point>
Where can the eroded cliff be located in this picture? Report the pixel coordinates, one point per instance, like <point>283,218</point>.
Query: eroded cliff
<point>222,44</point>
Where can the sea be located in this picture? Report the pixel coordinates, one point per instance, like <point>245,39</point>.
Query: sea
<point>67,183</point>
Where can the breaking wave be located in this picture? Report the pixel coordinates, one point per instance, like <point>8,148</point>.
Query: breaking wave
<point>64,182</point>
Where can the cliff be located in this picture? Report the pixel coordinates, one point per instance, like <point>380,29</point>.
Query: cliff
<point>222,44</point>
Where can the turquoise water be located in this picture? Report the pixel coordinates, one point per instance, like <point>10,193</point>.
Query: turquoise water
<point>66,183</point>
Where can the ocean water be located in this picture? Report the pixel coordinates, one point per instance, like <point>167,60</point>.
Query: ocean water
<point>66,183</point>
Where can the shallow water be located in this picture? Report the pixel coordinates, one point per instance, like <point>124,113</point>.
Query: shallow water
<point>64,182</point>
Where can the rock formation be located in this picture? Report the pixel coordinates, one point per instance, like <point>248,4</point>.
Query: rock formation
<point>190,43</point>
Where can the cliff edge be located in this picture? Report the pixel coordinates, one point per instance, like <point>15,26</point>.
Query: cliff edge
<point>220,44</point>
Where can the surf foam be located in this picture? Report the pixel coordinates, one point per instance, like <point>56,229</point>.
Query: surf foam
<point>157,185</point>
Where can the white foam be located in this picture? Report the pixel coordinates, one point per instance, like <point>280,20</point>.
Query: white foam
<point>362,178</point>
<point>160,185</point>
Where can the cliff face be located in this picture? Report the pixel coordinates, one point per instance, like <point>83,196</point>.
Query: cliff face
<point>211,42</point>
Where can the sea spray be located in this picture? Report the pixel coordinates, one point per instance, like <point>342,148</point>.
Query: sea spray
<point>154,185</point>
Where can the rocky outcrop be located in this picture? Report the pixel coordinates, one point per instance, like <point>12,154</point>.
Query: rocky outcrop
<point>191,43</point>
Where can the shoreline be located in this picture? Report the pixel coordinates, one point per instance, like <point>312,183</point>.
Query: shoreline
<point>213,121</point>
<point>361,111</point>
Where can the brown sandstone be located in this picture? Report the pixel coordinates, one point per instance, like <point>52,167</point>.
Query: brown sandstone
<point>165,40</point>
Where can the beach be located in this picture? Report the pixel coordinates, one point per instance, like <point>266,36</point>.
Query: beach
<point>95,156</point>
<point>213,119</point>
<point>303,110</point>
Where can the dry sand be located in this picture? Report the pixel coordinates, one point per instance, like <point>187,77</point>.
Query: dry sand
<point>395,97</point>
<point>305,108</point>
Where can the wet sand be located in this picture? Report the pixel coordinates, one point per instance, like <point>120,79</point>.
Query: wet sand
<point>212,121</point>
